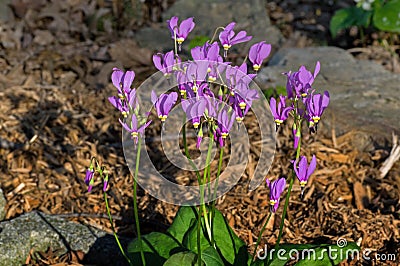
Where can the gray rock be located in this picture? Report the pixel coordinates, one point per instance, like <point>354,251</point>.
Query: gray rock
<point>2,205</point>
<point>364,96</point>
<point>210,14</point>
<point>6,13</point>
<point>39,231</point>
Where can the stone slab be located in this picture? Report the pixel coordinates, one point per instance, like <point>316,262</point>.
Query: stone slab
<point>364,96</point>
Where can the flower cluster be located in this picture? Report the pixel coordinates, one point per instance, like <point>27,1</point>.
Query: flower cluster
<point>213,93</point>
<point>126,102</point>
<point>303,104</point>
<point>90,175</point>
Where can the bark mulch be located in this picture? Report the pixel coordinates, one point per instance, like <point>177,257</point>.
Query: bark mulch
<point>56,59</point>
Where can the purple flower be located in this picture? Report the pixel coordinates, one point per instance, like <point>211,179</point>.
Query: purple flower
<point>122,81</point>
<point>280,111</point>
<point>199,138</point>
<point>316,104</point>
<point>89,180</point>
<point>135,128</point>
<point>196,73</point>
<point>300,82</point>
<point>182,31</point>
<point>120,105</point>
<point>234,74</point>
<point>275,189</point>
<point>194,109</point>
<point>258,52</point>
<point>165,62</point>
<point>105,182</point>
<point>164,103</point>
<point>227,37</point>
<point>296,136</point>
<point>225,123</point>
<point>304,171</point>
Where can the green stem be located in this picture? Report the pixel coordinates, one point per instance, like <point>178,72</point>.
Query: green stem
<point>113,229</point>
<point>210,144</point>
<point>199,262</point>
<point>289,189</point>
<point>135,206</point>
<point>199,213</point>
<point>212,214</point>
<point>259,236</point>
<point>284,213</point>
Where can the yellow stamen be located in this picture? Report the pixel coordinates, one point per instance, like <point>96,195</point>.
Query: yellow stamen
<point>224,135</point>
<point>278,121</point>
<point>227,46</point>
<point>162,118</point>
<point>242,105</point>
<point>256,67</point>
<point>273,202</point>
<point>180,40</point>
<point>303,183</point>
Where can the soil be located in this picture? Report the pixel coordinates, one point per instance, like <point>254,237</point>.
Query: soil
<point>56,58</point>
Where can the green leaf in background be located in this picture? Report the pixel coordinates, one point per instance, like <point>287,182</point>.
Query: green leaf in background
<point>198,41</point>
<point>182,259</point>
<point>347,17</point>
<point>210,257</point>
<point>182,222</point>
<point>232,248</point>
<point>190,238</point>
<point>387,18</point>
<point>157,247</point>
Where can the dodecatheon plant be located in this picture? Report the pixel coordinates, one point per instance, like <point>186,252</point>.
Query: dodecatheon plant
<point>120,105</point>
<point>89,180</point>
<point>243,95</point>
<point>227,37</point>
<point>296,136</point>
<point>200,52</point>
<point>199,138</point>
<point>166,62</point>
<point>316,104</point>
<point>163,104</point>
<point>196,73</point>
<point>225,123</point>
<point>194,109</point>
<point>180,32</point>
<point>299,83</point>
<point>304,171</point>
<point>280,111</point>
<point>122,81</point>
<point>257,53</point>
<point>105,181</point>
<point>275,190</point>
<point>135,128</point>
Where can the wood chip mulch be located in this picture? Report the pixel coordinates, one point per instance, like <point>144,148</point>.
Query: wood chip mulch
<point>54,116</point>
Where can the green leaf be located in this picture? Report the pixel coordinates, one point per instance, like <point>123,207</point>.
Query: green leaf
<point>387,18</point>
<point>182,222</point>
<point>198,41</point>
<point>190,238</point>
<point>232,248</point>
<point>186,258</point>
<point>347,17</point>
<point>157,247</point>
<point>211,257</point>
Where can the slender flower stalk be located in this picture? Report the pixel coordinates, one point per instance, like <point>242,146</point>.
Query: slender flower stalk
<point>135,205</point>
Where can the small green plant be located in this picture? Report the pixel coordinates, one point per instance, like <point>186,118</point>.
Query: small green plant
<point>384,15</point>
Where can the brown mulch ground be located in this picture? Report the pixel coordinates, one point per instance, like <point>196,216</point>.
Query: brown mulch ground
<point>54,117</point>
